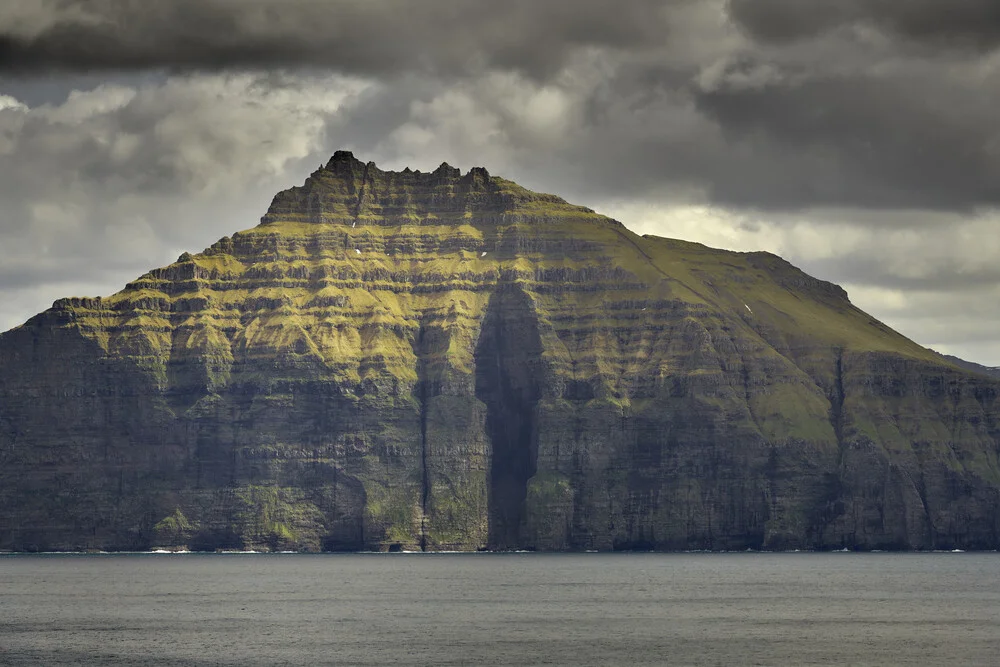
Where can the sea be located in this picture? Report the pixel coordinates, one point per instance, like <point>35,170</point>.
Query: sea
<point>501,609</point>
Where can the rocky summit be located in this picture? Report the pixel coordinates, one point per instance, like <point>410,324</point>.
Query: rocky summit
<point>448,361</point>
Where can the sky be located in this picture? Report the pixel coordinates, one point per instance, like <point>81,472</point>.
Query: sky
<point>859,139</point>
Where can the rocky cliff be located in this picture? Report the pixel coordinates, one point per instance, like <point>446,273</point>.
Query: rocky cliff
<point>446,361</point>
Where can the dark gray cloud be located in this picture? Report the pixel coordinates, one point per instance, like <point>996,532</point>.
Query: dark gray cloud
<point>918,137</point>
<point>356,36</point>
<point>757,103</point>
<point>900,139</point>
<point>973,24</point>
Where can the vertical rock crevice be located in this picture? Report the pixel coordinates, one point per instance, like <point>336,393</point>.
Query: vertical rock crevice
<point>509,377</point>
<point>425,483</point>
<point>834,482</point>
<point>837,400</point>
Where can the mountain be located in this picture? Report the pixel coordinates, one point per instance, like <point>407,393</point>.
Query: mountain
<point>990,371</point>
<point>408,360</point>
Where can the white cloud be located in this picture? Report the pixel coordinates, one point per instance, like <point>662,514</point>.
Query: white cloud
<point>116,180</point>
<point>9,102</point>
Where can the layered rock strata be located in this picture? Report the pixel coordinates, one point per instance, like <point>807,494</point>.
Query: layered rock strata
<point>439,361</point>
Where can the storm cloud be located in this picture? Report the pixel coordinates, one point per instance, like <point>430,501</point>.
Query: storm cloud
<point>366,37</point>
<point>973,24</point>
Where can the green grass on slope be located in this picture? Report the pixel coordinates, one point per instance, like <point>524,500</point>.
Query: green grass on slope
<point>365,266</point>
<point>765,288</point>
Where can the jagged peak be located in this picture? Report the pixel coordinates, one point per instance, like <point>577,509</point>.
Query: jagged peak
<point>342,156</point>
<point>477,176</point>
<point>347,190</point>
<point>445,169</point>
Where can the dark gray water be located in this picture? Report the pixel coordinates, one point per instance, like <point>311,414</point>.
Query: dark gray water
<point>501,609</point>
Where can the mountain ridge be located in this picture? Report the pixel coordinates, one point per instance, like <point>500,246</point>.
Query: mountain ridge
<point>972,366</point>
<point>447,361</point>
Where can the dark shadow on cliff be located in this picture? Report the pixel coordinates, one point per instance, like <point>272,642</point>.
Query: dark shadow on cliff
<point>508,376</point>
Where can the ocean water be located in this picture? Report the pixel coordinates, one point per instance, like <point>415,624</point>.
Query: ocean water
<point>500,609</point>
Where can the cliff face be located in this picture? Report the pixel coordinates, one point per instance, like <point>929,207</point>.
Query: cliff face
<point>447,361</point>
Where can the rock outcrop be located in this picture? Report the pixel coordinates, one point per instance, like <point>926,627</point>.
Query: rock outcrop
<point>439,361</point>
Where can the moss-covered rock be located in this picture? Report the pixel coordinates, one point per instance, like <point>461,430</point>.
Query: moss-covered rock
<point>406,360</point>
